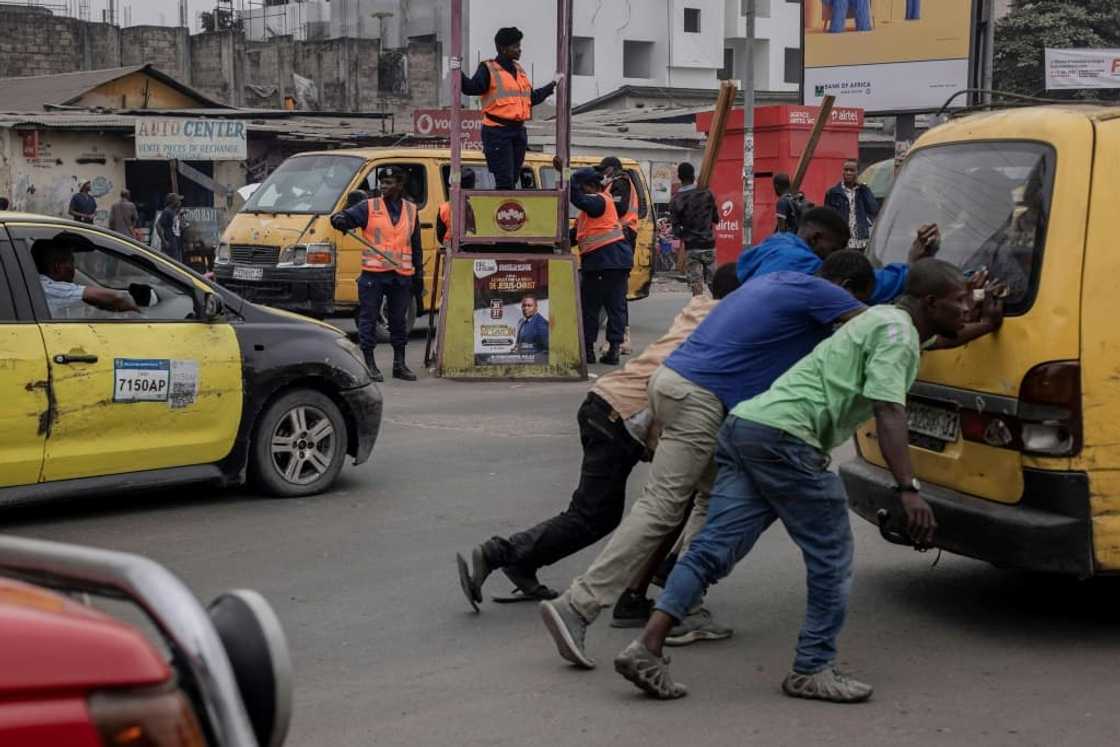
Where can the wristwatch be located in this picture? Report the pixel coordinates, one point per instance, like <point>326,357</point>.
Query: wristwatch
<point>913,487</point>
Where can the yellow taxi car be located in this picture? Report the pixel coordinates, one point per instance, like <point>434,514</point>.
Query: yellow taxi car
<point>125,370</point>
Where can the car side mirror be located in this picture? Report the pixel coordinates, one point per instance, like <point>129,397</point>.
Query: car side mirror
<point>212,307</point>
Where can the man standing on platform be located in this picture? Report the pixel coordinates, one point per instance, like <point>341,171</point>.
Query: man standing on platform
<point>508,98</point>
<point>388,223</point>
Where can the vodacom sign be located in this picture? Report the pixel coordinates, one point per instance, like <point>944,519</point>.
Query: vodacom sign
<point>437,123</point>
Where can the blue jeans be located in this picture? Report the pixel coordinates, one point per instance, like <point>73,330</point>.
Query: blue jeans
<point>504,148</point>
<point>840,15</point>
<point>913,10</point>
<point>763,475</point>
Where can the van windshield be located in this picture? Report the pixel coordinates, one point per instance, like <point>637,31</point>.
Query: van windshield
<point>991,201</point>
<point>306,184</point>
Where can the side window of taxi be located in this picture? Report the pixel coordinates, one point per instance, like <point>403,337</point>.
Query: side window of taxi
<point>84,276</point>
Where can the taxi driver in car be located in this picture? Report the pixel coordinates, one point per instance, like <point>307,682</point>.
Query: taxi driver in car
<point>54,259</point>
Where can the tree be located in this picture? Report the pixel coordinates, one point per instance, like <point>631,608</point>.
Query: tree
<point>1033,25</point>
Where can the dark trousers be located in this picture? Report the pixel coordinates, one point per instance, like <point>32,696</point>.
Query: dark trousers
<point>609,455</point>
<point>603,289</point>
<point>395,291</point>
<point>504,148</point>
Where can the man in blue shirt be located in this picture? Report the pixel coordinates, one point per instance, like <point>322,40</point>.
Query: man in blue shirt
<point>769,324</point>
<point>83,208</point>
<point>823,231</point>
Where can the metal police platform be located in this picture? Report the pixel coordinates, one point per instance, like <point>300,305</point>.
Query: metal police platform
<point>510,304</point>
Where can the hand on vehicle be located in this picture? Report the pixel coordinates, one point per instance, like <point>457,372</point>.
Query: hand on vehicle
<point>340,222</point>
<point>927,242</point>
<point>920,522</point>
<point>991,308</point>
<point>124,302</point>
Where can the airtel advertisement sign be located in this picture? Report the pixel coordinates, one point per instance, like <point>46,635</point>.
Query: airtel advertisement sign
<point>437,123</point>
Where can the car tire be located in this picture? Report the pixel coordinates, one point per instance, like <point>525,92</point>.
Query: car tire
<point>300,445</point>
<point>383,323</point>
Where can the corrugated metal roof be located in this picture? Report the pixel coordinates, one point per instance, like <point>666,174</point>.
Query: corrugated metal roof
<point>35,92</point>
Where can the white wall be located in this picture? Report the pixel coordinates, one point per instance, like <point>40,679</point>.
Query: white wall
<point>777,26</point>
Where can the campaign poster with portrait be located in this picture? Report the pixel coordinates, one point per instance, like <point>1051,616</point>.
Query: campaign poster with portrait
<point>511,316</point>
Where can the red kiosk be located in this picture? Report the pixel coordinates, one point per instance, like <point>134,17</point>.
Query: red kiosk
<point>781,133</point>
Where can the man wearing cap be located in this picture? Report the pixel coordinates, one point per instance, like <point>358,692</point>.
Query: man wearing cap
<point>83,207</point>
<point>605,261</point>
<point>508,98</point>
<point>389,275</point>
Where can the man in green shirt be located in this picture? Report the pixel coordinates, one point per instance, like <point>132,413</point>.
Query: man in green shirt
<point>773,458</point>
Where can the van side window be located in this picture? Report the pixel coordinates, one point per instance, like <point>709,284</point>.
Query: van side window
<point>991,201</point>
<point>415,182</point>
<point>483,179</point>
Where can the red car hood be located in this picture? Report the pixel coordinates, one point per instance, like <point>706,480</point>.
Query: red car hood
<point>48,642</point>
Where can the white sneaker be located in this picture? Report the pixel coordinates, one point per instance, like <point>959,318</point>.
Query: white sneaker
<point>828,684</point>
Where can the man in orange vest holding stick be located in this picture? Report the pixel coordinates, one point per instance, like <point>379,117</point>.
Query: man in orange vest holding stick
<point>390,274</point>
<point>605,261</point>
<point>508,98</point>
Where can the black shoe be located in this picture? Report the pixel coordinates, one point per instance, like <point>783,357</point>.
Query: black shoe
<point>527,583</point>
<point>611,356</point>
<point>401,371</point>
<point>631,611</point>
<point>374,371</point>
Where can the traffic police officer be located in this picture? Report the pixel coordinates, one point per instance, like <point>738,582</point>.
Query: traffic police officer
<point>605,261</point>
<point>508,99</point>
<point>389,223</point>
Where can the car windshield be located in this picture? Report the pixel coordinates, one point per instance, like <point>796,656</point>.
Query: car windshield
<point>991,201</point>
<point>305,184</point>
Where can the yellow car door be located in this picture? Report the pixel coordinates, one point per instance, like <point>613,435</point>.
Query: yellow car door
<point>23,380</point>
<point>133,390</point>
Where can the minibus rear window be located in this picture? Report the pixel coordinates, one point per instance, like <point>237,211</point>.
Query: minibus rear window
<point>304,184</point>
<point>991,201</point>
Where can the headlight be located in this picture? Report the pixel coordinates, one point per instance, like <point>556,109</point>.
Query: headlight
<point>306,255</point>
<point>222,254</point>
<point>157,717</point>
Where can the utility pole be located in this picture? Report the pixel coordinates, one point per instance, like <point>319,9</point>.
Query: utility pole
<point>748,127</point>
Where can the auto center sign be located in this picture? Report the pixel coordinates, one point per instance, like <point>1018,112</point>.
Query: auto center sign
<point>437,123</point>
<point>162,138</point>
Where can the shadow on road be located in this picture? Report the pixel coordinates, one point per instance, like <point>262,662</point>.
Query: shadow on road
<point>1008,604</point>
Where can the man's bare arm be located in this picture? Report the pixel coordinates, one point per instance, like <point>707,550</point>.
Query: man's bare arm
<point>109,300</point>
<point>890,422</point>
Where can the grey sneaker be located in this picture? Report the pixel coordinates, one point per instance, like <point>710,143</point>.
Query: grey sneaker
<point>568,630</point>
<point>699,626</point>
<point>649,672</point>
<point>828,684</point>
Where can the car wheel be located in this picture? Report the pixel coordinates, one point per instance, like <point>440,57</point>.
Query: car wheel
<point>383,322</point>
<point>300,445</point>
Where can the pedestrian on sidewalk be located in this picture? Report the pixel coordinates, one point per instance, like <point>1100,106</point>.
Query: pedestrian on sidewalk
<point>855,202</point>
<point>123,216</point>
<point>693,214</point>
<point>389,223</point>
<point>773,456</point>
<point>83,206</point>
<point>617,431</point>
<point>169,224</point>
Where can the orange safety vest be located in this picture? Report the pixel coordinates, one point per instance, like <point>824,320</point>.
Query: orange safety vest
<point>630,217</point>
<point>508,96</point>
<point>445,216</point>
<point>394,240</point>
<point>595,233</point>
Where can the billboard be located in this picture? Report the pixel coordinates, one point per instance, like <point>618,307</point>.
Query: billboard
<point>886,56</point>
<point>437,122</point>
<point>1082,68</point>
<point>191,139</point>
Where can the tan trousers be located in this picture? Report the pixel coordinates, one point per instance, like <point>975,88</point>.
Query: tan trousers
<point>690,417</point>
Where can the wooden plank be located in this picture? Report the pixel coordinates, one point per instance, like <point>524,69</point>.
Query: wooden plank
<point>811,147</point>
<point>726,98</point>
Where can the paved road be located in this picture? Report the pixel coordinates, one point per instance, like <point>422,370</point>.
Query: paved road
<point>387,653</point>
